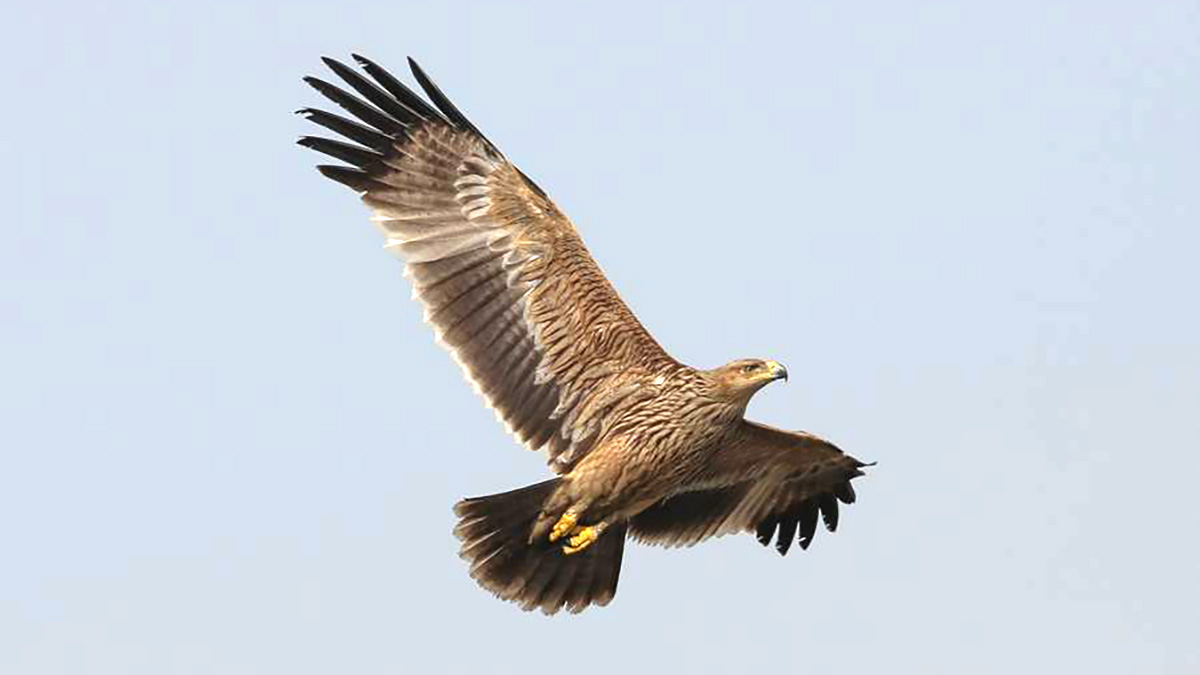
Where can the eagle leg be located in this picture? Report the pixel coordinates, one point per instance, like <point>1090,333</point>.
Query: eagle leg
<point>584,537</point>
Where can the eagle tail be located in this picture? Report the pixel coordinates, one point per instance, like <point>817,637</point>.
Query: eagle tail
<point>494,531</point>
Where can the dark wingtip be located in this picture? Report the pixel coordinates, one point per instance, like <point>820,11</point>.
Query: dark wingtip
<point>766,530</point>
<point>320,85</point>
<point>443,103</point>
<point>829,511</point>
<point>337,67</point>
<point>845,493</point>
<point>361,157</point>
<point>809,515</point>
<point>352,178</point>
<point>784,544</point>
<point>424,80</point>
<point>787,534</point>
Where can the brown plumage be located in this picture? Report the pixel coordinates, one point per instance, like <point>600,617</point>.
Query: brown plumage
<point>641,443</point>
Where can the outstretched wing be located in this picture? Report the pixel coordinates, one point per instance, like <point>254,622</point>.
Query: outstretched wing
<point>506,282</point>
<point>765,481</point>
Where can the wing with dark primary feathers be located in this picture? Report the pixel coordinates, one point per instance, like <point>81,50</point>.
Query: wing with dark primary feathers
<point>506,281</point>
<point>766,481</point>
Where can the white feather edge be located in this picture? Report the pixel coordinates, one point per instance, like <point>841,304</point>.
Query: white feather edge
<point>392,246</point>
<point>475,209</point>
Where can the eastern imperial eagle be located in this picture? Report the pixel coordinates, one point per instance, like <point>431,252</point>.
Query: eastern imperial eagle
<point>642,444</point>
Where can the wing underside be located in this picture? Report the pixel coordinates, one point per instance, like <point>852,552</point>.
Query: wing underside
<point>507,284</point>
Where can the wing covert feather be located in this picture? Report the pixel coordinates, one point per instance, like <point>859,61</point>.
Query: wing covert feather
<point>507,283</point>
<point>765,481</point>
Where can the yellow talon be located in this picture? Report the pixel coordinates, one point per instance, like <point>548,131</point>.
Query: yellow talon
<point>564,526</point>
<point>582,539</point>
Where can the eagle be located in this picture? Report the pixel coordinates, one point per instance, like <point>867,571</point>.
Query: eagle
<point>640,444</point>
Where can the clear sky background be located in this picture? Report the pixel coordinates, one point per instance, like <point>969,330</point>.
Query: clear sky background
<point>230,446</point>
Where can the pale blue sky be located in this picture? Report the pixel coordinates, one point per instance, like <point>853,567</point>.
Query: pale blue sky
<point>230,445</point>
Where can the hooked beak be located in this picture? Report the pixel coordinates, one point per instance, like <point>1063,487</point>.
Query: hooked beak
<point>777,370</point>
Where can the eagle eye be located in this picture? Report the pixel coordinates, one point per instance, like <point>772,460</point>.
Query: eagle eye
<point>750,368</point>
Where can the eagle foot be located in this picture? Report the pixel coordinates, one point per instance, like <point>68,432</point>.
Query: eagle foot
<point>583,538</point>
<point>565,525</point>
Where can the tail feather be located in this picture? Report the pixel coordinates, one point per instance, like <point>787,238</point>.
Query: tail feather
<point>494,531</point>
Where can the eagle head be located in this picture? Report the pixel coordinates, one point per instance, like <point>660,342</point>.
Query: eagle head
<point>740,379</point>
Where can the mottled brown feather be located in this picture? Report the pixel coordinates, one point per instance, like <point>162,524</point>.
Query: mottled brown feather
<point>764,481</point>
<point>507,284</point>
